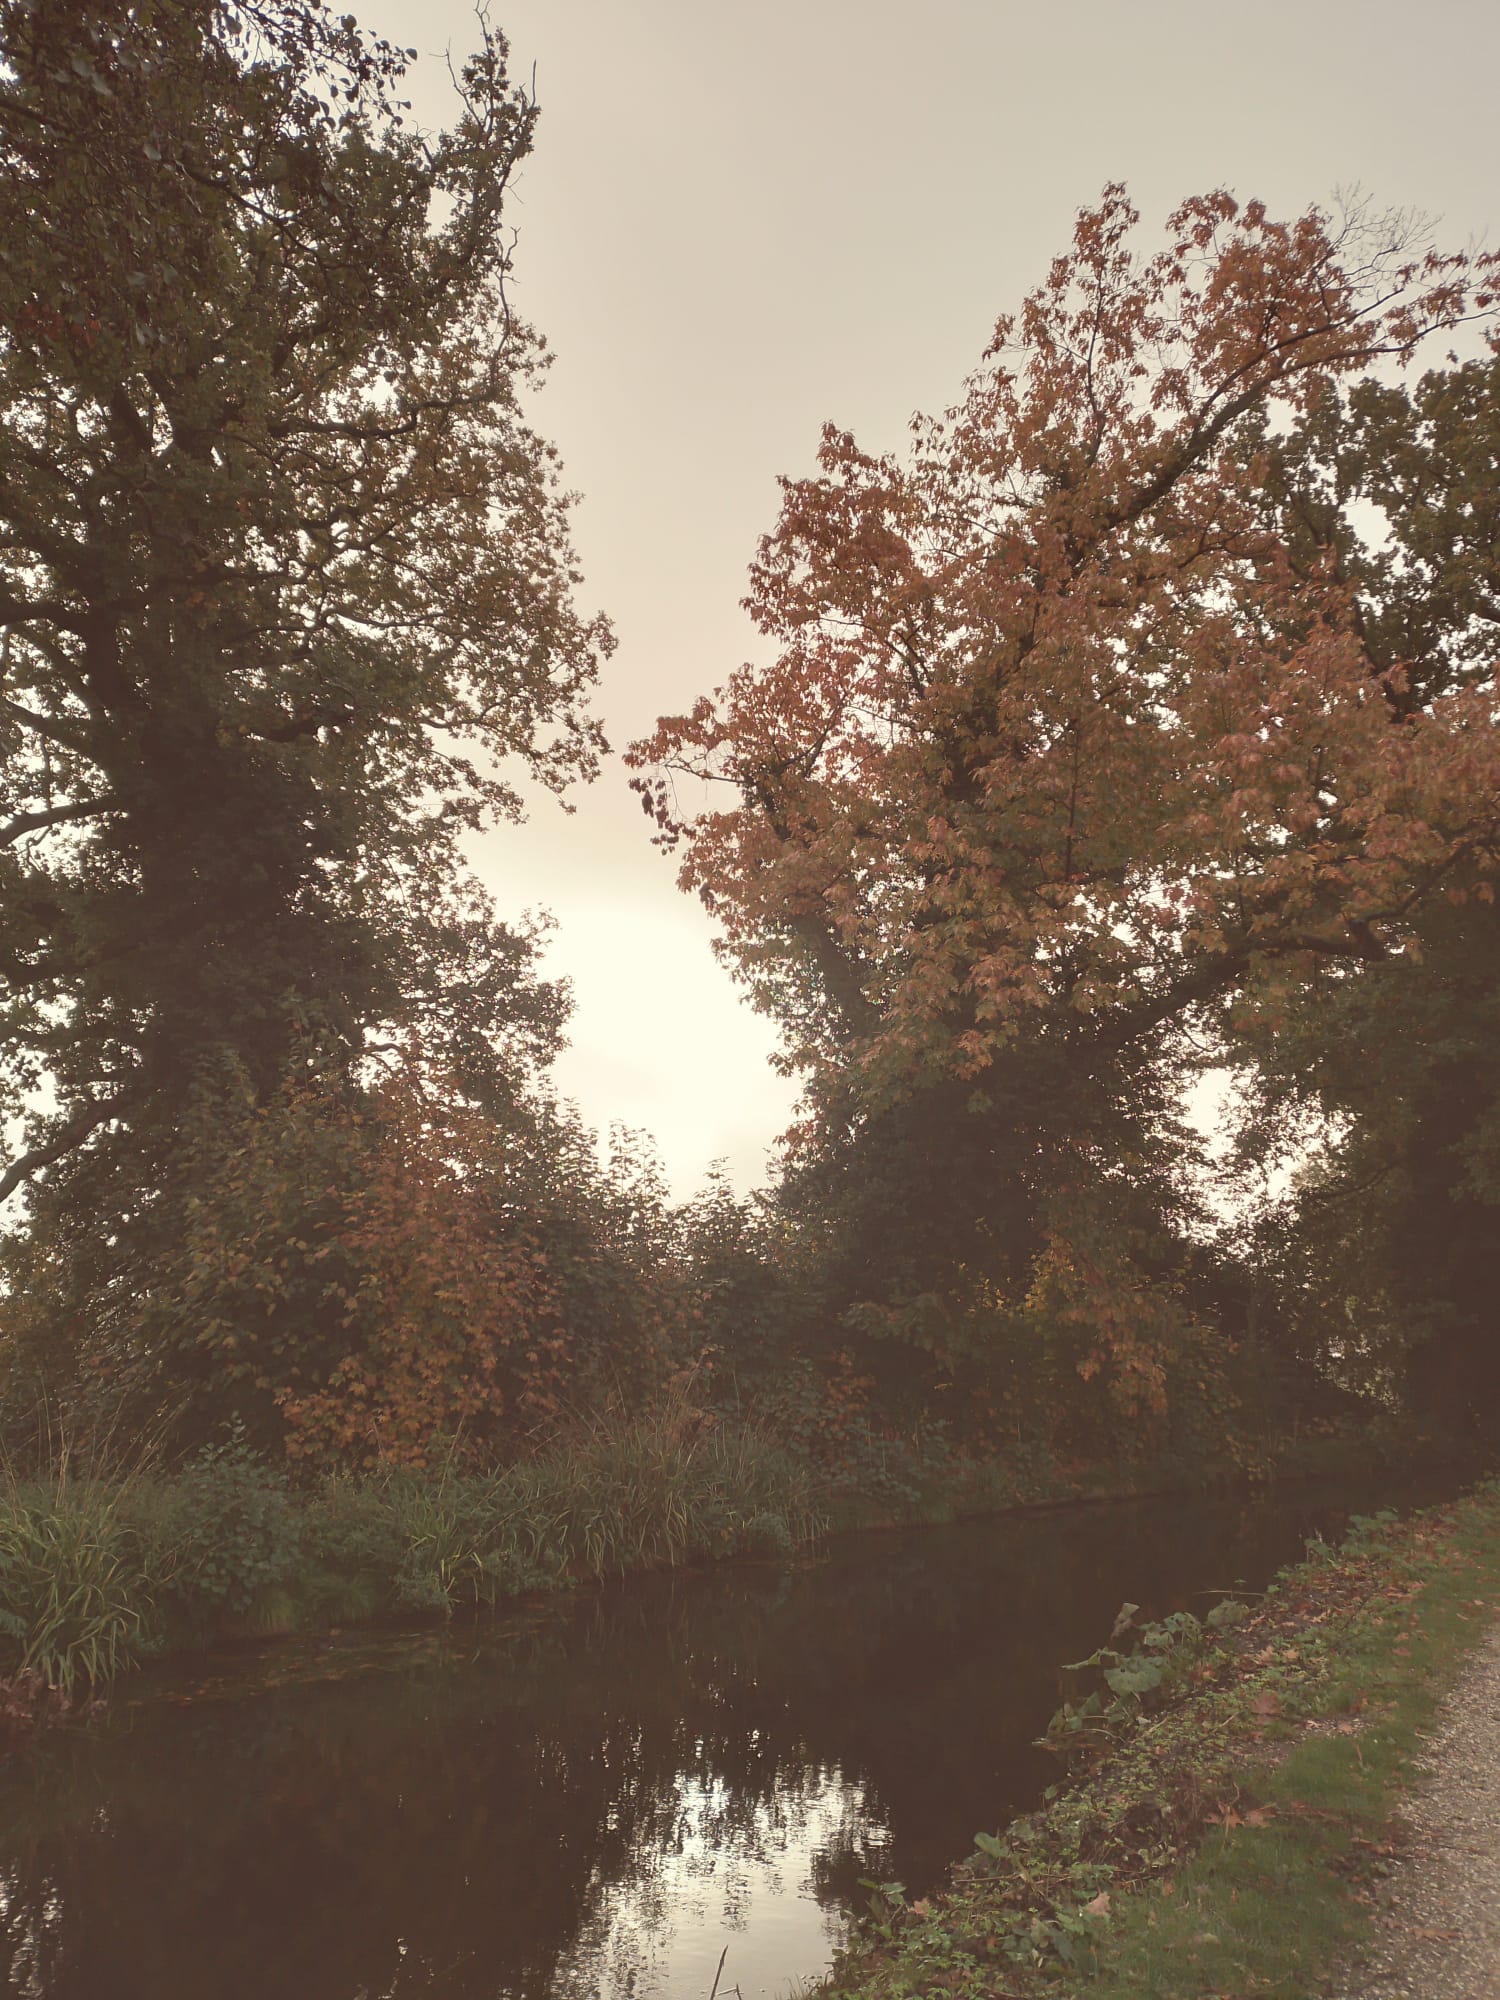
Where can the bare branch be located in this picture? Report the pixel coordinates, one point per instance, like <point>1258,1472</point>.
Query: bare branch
<point>66,1139</point>
<point>33,822</point>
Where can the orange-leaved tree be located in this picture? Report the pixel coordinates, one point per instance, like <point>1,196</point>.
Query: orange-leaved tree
<point>382,1276</point>
<point>1061,741</point>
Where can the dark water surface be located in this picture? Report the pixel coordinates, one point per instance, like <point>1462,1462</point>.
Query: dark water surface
<point>595,1796</point>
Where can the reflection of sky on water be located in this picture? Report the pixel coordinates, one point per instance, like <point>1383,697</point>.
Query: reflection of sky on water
<point>741,1886</point>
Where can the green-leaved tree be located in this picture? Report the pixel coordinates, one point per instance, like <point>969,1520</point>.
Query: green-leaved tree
<point>287,600</point>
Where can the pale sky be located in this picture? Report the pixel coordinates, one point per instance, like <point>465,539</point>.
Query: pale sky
<point>741,220</point>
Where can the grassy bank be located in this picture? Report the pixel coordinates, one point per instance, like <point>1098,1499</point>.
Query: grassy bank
<point>1225,1790</point>
<point>100,1573</point>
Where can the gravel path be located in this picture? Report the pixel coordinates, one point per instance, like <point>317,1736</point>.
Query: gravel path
<point>1439,1920</point>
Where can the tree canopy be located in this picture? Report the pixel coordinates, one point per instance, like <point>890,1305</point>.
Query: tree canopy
<point>1140,715</point>
<point>1092,718</point>
<point>287,594</point>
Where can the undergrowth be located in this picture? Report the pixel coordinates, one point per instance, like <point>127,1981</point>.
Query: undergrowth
<point>97,1573</point>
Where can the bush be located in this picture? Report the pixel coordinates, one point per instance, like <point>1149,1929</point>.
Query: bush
<point>229,1533</point>
<point>351,1553</point>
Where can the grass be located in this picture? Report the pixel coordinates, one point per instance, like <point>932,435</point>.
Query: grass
<point>1233,1812</point>
<point>75,1597</point>
<point>96,1574</point>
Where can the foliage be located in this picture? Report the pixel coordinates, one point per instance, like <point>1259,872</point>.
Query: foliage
<point>76,1593</point>
<point>230,1528</point>
<point>1378,1083</point>
<point>1057,680</point>
<point>1075,735</point>
<point>95,1573</point>
<point>286,591</point>
<point>1129,1682</point>
<point>359,1280</point>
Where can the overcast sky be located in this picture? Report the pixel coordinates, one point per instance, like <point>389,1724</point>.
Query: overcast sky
<point>741,220</point>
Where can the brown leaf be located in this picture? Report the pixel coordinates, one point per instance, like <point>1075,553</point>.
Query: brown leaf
<point>1100,1905</point>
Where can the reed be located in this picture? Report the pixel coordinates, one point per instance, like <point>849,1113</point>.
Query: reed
<point>76,1593</point>
<point>96,1572</point>
<point>655,1490</point>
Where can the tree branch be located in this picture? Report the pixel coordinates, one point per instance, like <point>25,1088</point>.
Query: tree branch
<point>66,1139</point>
<point>32,822</point>
<point>302,725</point>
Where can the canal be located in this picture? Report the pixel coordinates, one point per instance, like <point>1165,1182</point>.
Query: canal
<point>592,1798</point>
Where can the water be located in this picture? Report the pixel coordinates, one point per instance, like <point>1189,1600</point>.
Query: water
<point>592,1797</point>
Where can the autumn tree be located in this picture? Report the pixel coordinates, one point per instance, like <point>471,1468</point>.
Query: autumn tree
<point>286,590</point>
<point>391,1277</point>
<point>1065,737</point>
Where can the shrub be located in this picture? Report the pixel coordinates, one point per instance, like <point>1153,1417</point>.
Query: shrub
<point>351,1553</point>
<point>229,1533</point>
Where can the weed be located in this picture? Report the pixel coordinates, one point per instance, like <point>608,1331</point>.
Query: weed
<point>229,1534</point>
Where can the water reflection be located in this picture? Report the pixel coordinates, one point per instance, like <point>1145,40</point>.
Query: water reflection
<point>724,1889</point>
<point>591,1798</point>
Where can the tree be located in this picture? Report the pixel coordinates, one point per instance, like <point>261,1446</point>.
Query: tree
<point>1064,740</point>
<point>286,589</point>
<point>1389,1238</point>
<point>370,1281</point>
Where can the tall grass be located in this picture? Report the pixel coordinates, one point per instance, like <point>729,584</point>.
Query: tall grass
<point>76,1595</point>
<point>95,1572</point>
<point>648,1493</point>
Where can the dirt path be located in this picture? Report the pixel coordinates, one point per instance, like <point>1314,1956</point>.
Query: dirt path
<point>1439,1919</point>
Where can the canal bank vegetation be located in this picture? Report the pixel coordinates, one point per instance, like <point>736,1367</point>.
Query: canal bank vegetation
<point>104,1569</point>
<point>1101,746</point>
<point>1225,1815</point>
<point>100,1573</point>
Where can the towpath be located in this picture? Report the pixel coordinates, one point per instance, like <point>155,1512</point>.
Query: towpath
<point>1439,1911</point>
